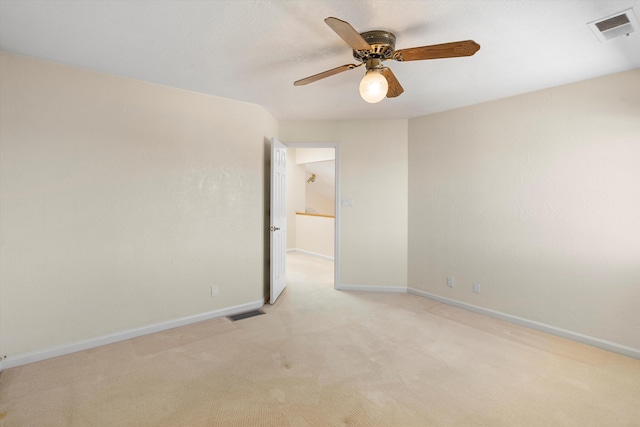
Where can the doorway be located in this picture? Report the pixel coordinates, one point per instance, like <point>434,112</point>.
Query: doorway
<point>317,164</point>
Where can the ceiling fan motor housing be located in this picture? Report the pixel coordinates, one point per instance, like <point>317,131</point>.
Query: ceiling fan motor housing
<point>383,44</point>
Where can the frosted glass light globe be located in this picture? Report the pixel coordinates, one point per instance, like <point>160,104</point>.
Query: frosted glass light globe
<point>373,87</point>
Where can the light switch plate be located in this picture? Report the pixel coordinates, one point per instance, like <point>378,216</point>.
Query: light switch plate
<point>476,287</point>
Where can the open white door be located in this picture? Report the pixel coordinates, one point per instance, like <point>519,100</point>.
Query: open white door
<point>278,220</point>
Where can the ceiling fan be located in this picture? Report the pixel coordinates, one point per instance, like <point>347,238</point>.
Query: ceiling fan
<point>371,48</point>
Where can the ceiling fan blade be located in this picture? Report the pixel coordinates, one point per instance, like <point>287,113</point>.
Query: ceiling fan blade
<point>324,74</point>
<point>348,33</point>
<point>436,51</point>
<point>395,89</point>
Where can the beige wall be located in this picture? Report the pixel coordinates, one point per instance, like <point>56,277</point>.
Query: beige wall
<point>317,203</point>
<point>373,172</point>
<point>122,202</point>
<point>537,197</point>
<point>316,200</point>
<point>295,194</point>
<point>315,235</point>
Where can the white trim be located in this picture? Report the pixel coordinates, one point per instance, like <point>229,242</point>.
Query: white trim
<point>314,254</point>
<point>368,288</point>
<point>36,356</point>
<point>574,336</point>
<point>337,221</point>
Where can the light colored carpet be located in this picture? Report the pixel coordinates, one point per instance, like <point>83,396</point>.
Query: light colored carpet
<point>322,357</point>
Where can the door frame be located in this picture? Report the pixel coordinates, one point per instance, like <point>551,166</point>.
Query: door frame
<point>337,204</point>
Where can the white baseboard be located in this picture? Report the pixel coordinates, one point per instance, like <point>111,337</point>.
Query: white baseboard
<point>62,350</point>
<point>368,288</point>
<point>302,251</point>
<point>574,336</point>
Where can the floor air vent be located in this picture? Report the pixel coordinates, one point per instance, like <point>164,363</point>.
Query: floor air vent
<point>613,26</point>
<point>245,315</point>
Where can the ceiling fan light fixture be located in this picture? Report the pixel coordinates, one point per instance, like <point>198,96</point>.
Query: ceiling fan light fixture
<point>373,86</point>
<point>372,48</point>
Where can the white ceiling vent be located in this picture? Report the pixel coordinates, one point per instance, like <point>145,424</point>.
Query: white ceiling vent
<point>614,26</point>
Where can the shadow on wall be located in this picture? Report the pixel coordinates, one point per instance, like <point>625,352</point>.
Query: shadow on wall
<point>265,223</point>
<point>320,187</point>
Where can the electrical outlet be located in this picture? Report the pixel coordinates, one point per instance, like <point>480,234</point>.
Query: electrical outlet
<point>214,291</point>
<point>476,287</point>
<point>450,282</point>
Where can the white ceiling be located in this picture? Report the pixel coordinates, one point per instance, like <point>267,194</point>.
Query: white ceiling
<point>254,50</point>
